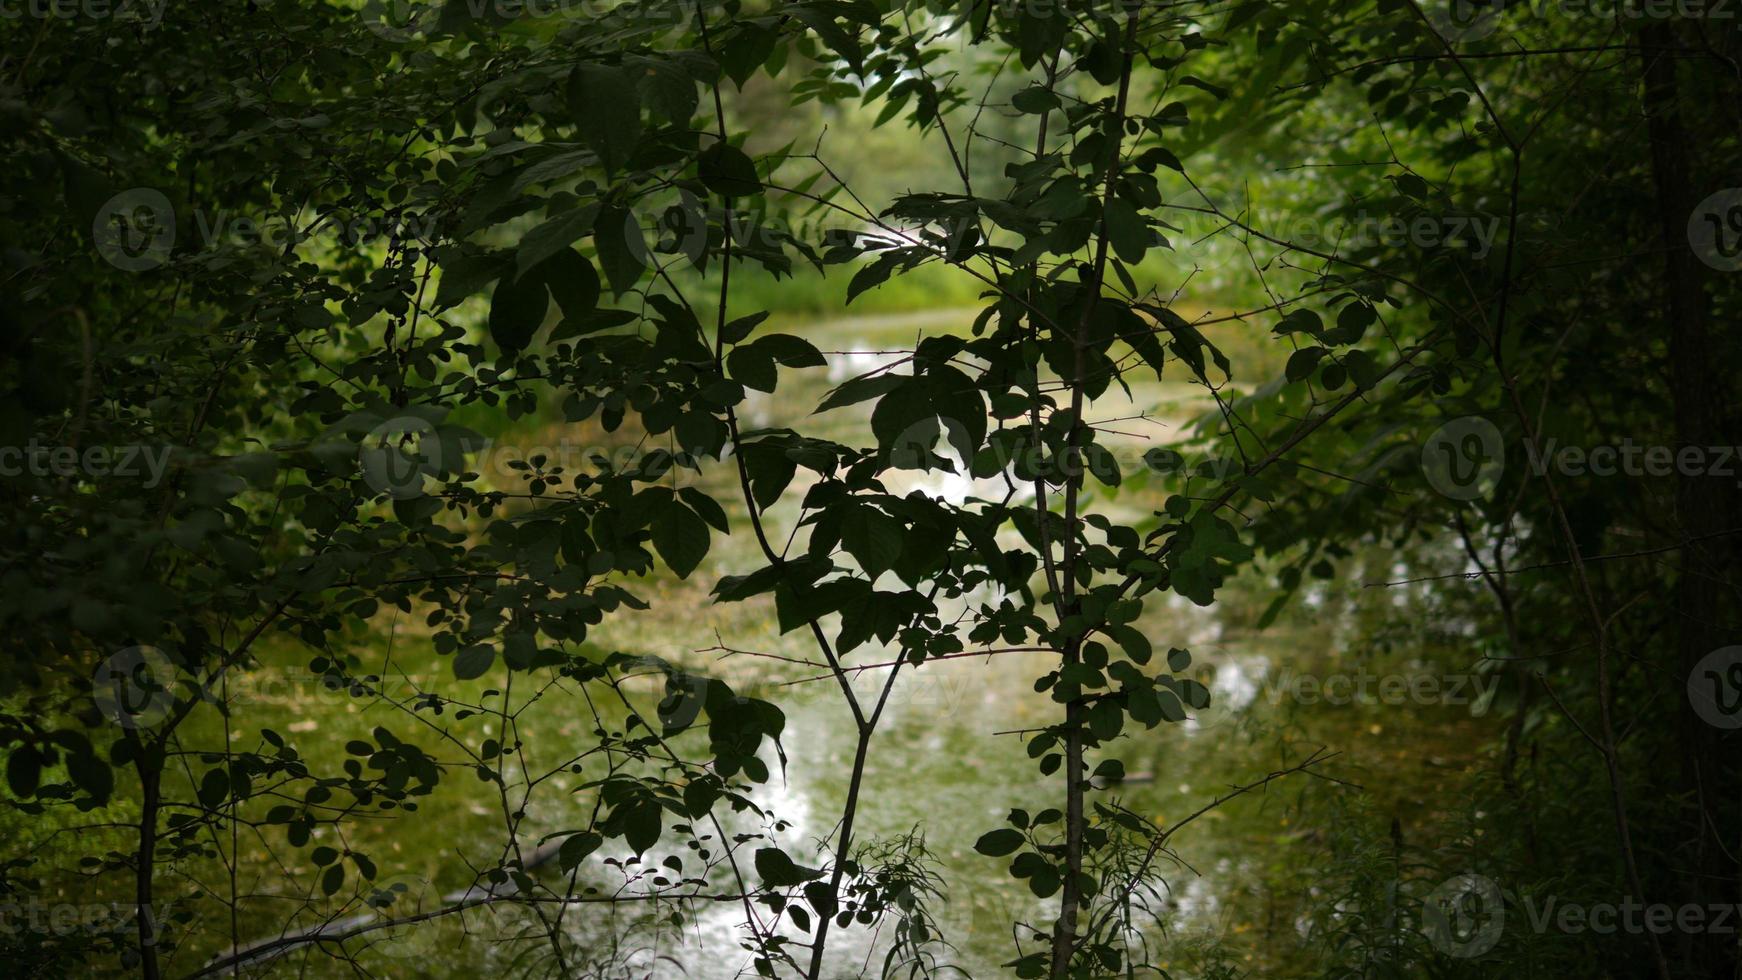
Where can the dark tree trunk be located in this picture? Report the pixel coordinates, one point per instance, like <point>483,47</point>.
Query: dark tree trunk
<point>1706,598</point>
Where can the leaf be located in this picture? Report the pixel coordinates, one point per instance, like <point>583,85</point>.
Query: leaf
<point>621,261</point>
<point>771,469</point>
<point>641,825</point>
<point>861,389</point>
<point>872,537</point>
<point>728,171</point>
<point>607,111</point>
<point>573,283</point>
<point>1196,82</point>
<point>1302,362</point>
<point>214,788</point>
<point>998,843</point>
<point>1160,157</point>
<point>790,351</point>
<point>872,276</point>
<point>333,879</point>
<point>821,898</point>
<point>24,771</point>
<point>778,871</point>
<point>1127,231</point>
<point>474,661</point>
<point>1035,100</point>
<point>681,538</point>
<point>670,91</point>
<point>517,310</point>
<point>707,508</point>
<point>738,329</point>
<point>1300,320</point>
<point>752,368</point>
<point>1102,464</point>
<point>576,848</point>
<point>91,774</point>
<point>463,275</point>
<point>553,236</point>
<point>836,37</point>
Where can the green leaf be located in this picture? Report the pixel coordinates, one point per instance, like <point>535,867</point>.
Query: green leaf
<point>1035,100</point>
<point>752,368</point>
<point>621,261</point>
<point>998,843</point>
<point>681,538</point>
<point>670,91</point>
<point>214,788</point>
<point>729,171</point>
<point>553,236</point>
<point>642,823</point>
<point>778,871</point>
<point>607,112</point>
<point>821,897</point>
<point>707,508</point>
<point>861,389</point>
<point>24,771</point>
<point>517,309</point>
<point>576,848</point>
<point>464,275</point>
<point>738,329</point>
<point>872,537</point>
<point>1302,362</point>
<point>474,661</point>
<point>1127,231</point>
<point>790,351</point>
<point>1102,464</point>
<point>822,22</point>
<point>573,283</point>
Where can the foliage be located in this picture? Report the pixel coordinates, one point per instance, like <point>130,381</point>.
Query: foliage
<point>493,213</point>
